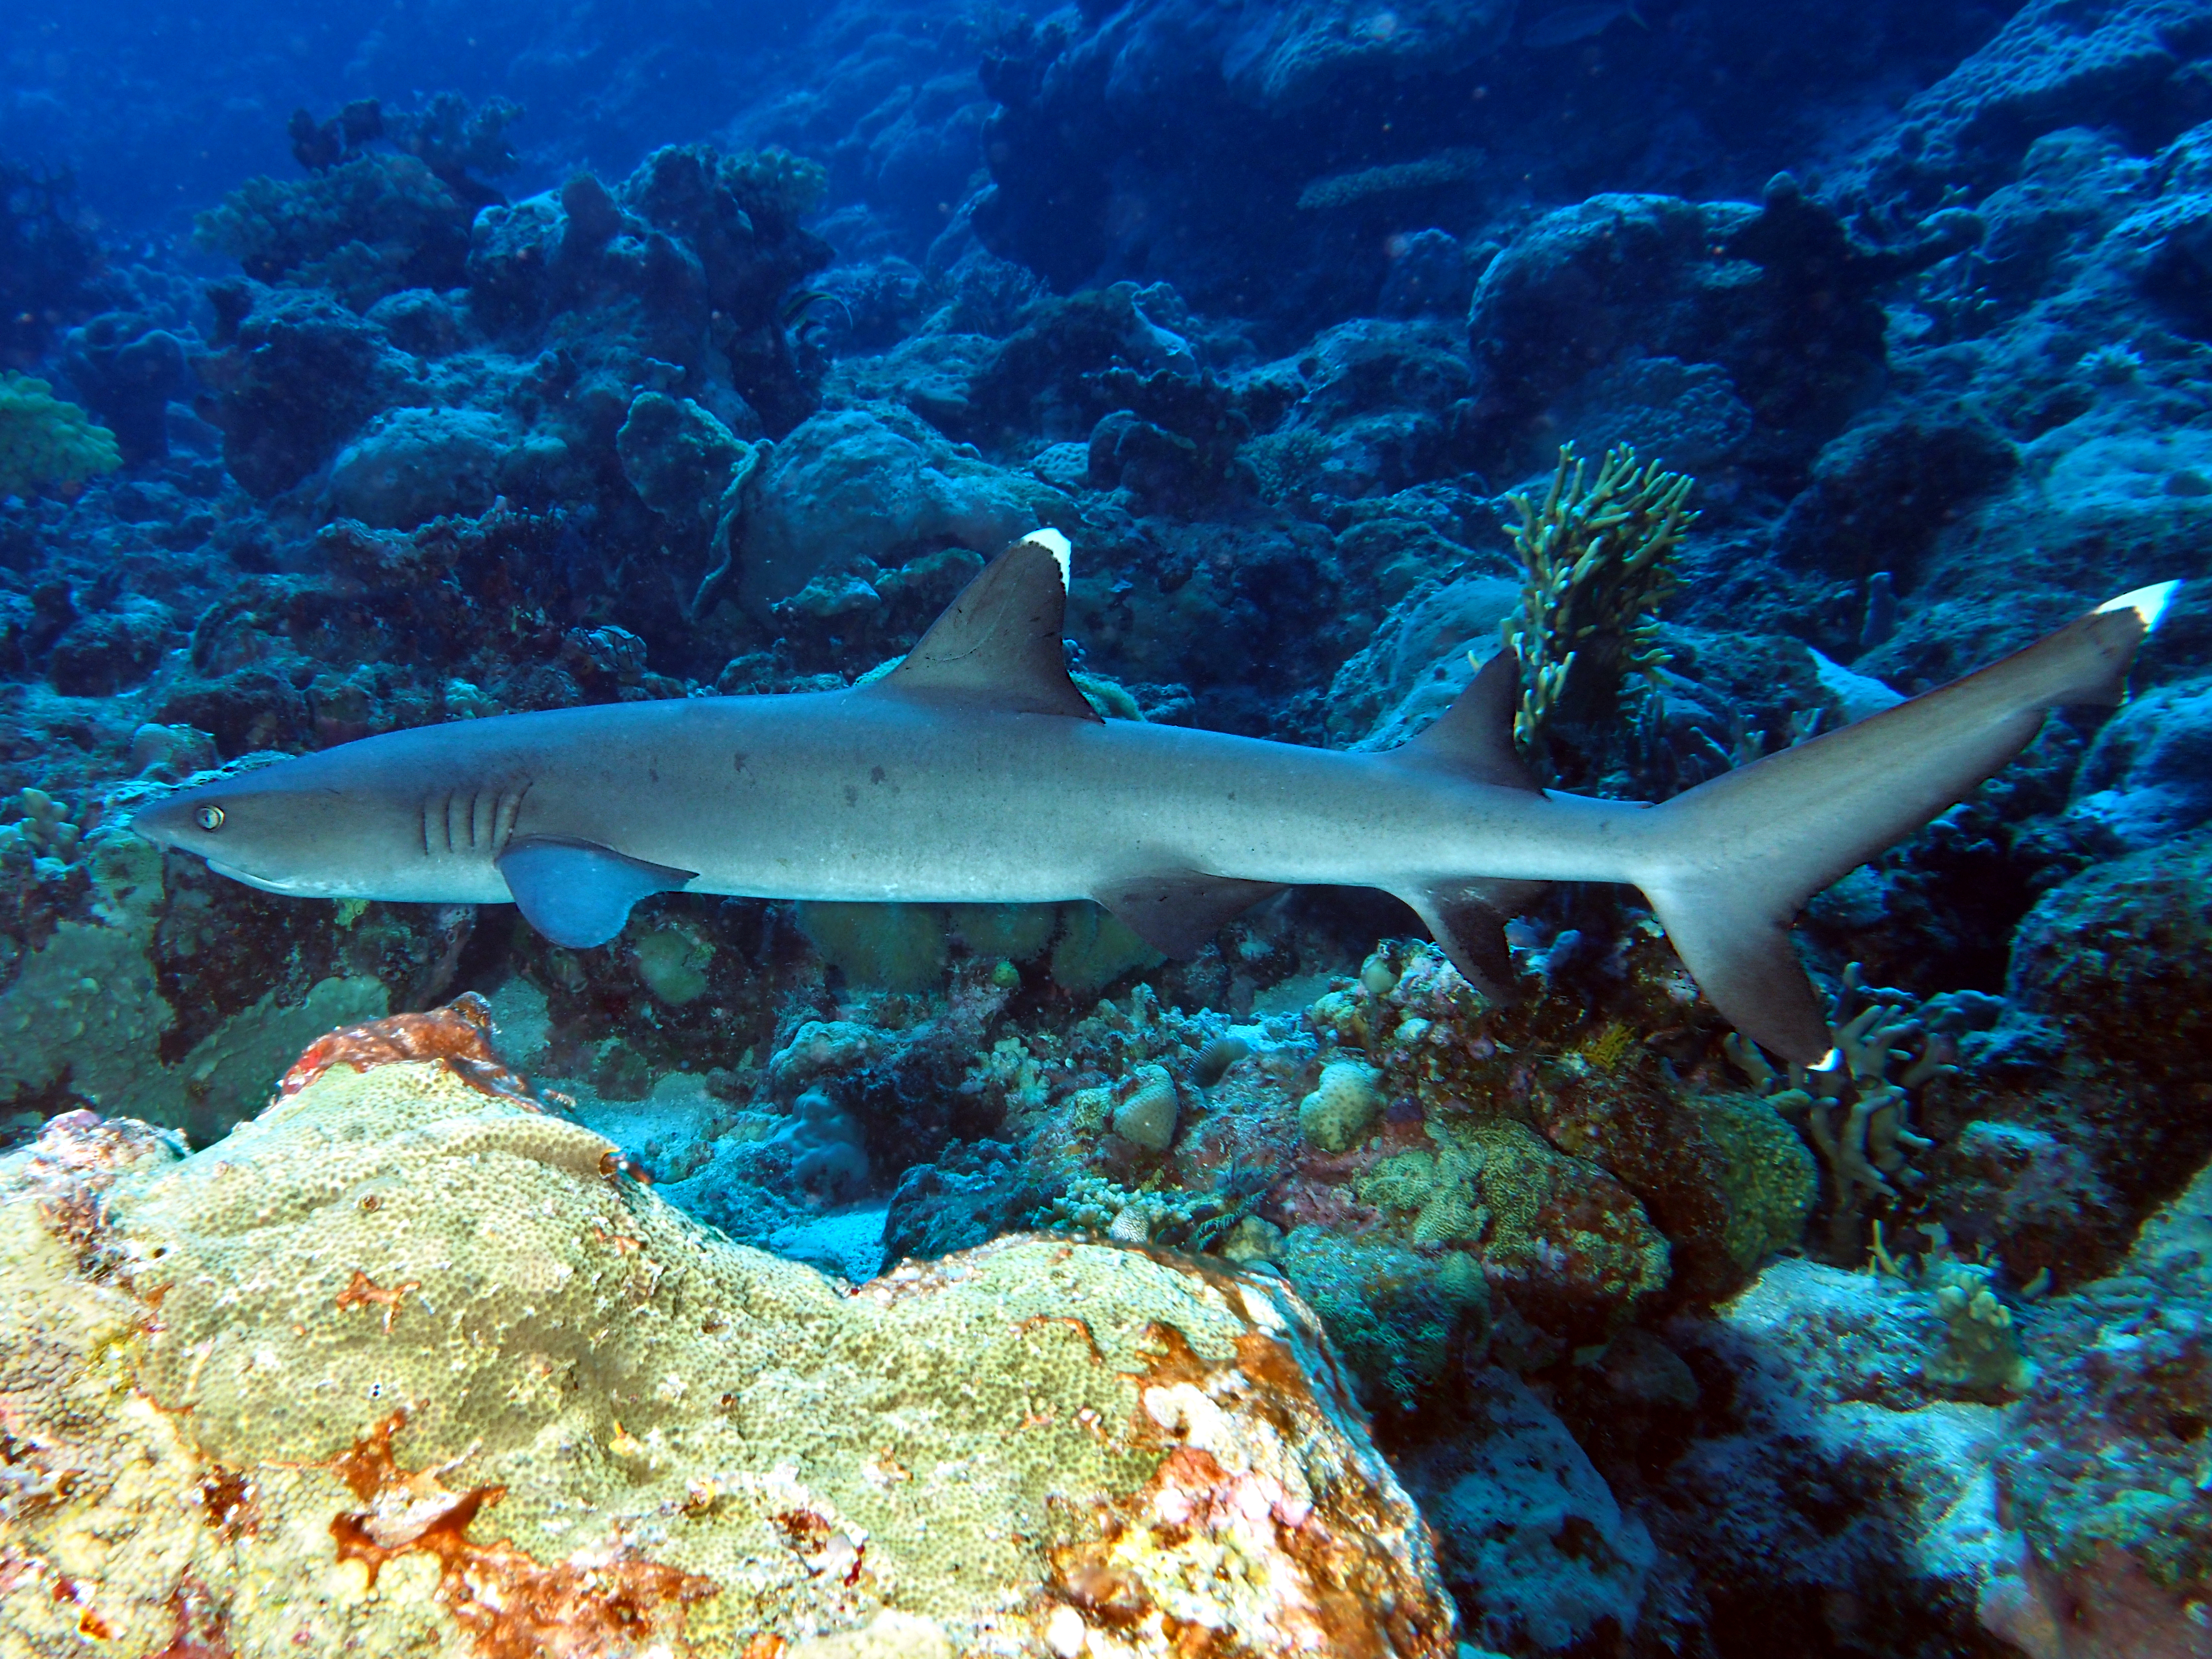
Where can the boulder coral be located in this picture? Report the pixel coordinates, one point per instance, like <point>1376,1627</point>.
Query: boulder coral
<point>403,1366</point>
<point>47,445</point>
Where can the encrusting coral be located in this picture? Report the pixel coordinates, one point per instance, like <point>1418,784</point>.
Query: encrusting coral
<point>48,447</point>
<point>404,1365</point>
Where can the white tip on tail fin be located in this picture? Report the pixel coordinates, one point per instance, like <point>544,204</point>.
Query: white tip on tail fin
<point>1058,545</point>
<point>2148,603</point>
<point>1731,861</point>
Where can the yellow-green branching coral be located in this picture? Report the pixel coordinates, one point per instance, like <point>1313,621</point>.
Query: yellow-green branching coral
<point>48,447</point>
<point>1598,556</point>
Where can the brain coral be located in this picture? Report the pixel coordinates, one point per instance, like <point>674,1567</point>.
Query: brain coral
<point>47,445</point>
<point>396,1367</point>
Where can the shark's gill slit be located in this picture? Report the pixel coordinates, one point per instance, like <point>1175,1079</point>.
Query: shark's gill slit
<point>510,809</point>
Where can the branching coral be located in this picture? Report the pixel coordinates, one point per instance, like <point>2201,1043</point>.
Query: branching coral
<point>454,139</point>
<point>46,445</point>
<point>1981,1349</point>
<point>828,1155</point>
<point>1981,1355</point>
<point>1598,559</point>
<point>451,136</point>
<point>1857,1110</point>
<point>775,188</point>
<point>1192,1221</point>
<point>34,823</point>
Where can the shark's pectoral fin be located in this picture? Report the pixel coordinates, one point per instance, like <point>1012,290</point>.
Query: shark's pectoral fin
<point>1177,911</point>
<point>578,893</point>
<point>1468,920</point>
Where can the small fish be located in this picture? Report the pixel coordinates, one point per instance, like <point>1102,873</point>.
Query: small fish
<point>1568,24</point>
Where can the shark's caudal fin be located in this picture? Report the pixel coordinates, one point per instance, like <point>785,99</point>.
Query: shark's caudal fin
<point>1728,864</point>
<point>1473,739</point>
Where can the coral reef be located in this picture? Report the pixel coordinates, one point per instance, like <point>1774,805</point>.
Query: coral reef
<point>453,1448</point>
<point>2099,1476</point>
<point>718,375</point>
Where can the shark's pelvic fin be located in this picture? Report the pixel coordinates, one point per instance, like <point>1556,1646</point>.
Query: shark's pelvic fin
<point>1731,862</point>
<point>1473,739</point>
<point>1468,920</point>
<point>1177,911</point>
<point>998,644</point>
<point>578,893</point>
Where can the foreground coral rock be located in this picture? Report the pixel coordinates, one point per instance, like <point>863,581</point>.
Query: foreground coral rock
<point>397,1368</point>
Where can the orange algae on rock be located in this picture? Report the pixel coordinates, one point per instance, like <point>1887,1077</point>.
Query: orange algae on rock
<point>512,1605</point>
<point>1231,1547</point>
<point>459,1035</point>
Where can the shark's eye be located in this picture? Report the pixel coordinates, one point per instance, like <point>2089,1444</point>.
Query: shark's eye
<point>208,817</point>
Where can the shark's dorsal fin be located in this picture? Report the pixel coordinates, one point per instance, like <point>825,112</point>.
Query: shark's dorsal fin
<point>1474,738</point>
<point>998,644</point>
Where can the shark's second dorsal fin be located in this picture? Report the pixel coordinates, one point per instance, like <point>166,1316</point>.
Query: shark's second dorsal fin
<point>998,644</point>
<point>1474,738</point>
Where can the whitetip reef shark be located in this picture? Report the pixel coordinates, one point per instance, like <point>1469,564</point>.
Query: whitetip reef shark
<point>975,772</point>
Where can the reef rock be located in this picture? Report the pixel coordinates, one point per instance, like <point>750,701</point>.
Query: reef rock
<point>2101,1473</point>
<point>401,1367</point>
<point>879,484</point>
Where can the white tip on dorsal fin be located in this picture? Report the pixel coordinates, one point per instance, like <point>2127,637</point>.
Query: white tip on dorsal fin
<point>2148,603</point>
<point>997,644</point>
<point>1058,545</point>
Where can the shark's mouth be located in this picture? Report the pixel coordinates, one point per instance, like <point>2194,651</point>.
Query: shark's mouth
<point>261,882</point>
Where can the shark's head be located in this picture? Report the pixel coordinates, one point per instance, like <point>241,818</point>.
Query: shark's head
<point>282,829</point>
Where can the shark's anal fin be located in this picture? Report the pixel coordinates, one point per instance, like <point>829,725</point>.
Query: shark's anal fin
<point>997,644</point>
<point>578,893</point>
<point>1177,911</point>
<point>1468,920</point>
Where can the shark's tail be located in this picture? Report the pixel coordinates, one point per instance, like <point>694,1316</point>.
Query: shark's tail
<point>1727,865</point>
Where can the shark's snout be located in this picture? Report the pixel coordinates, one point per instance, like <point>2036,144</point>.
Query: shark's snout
<point>159,824</point>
